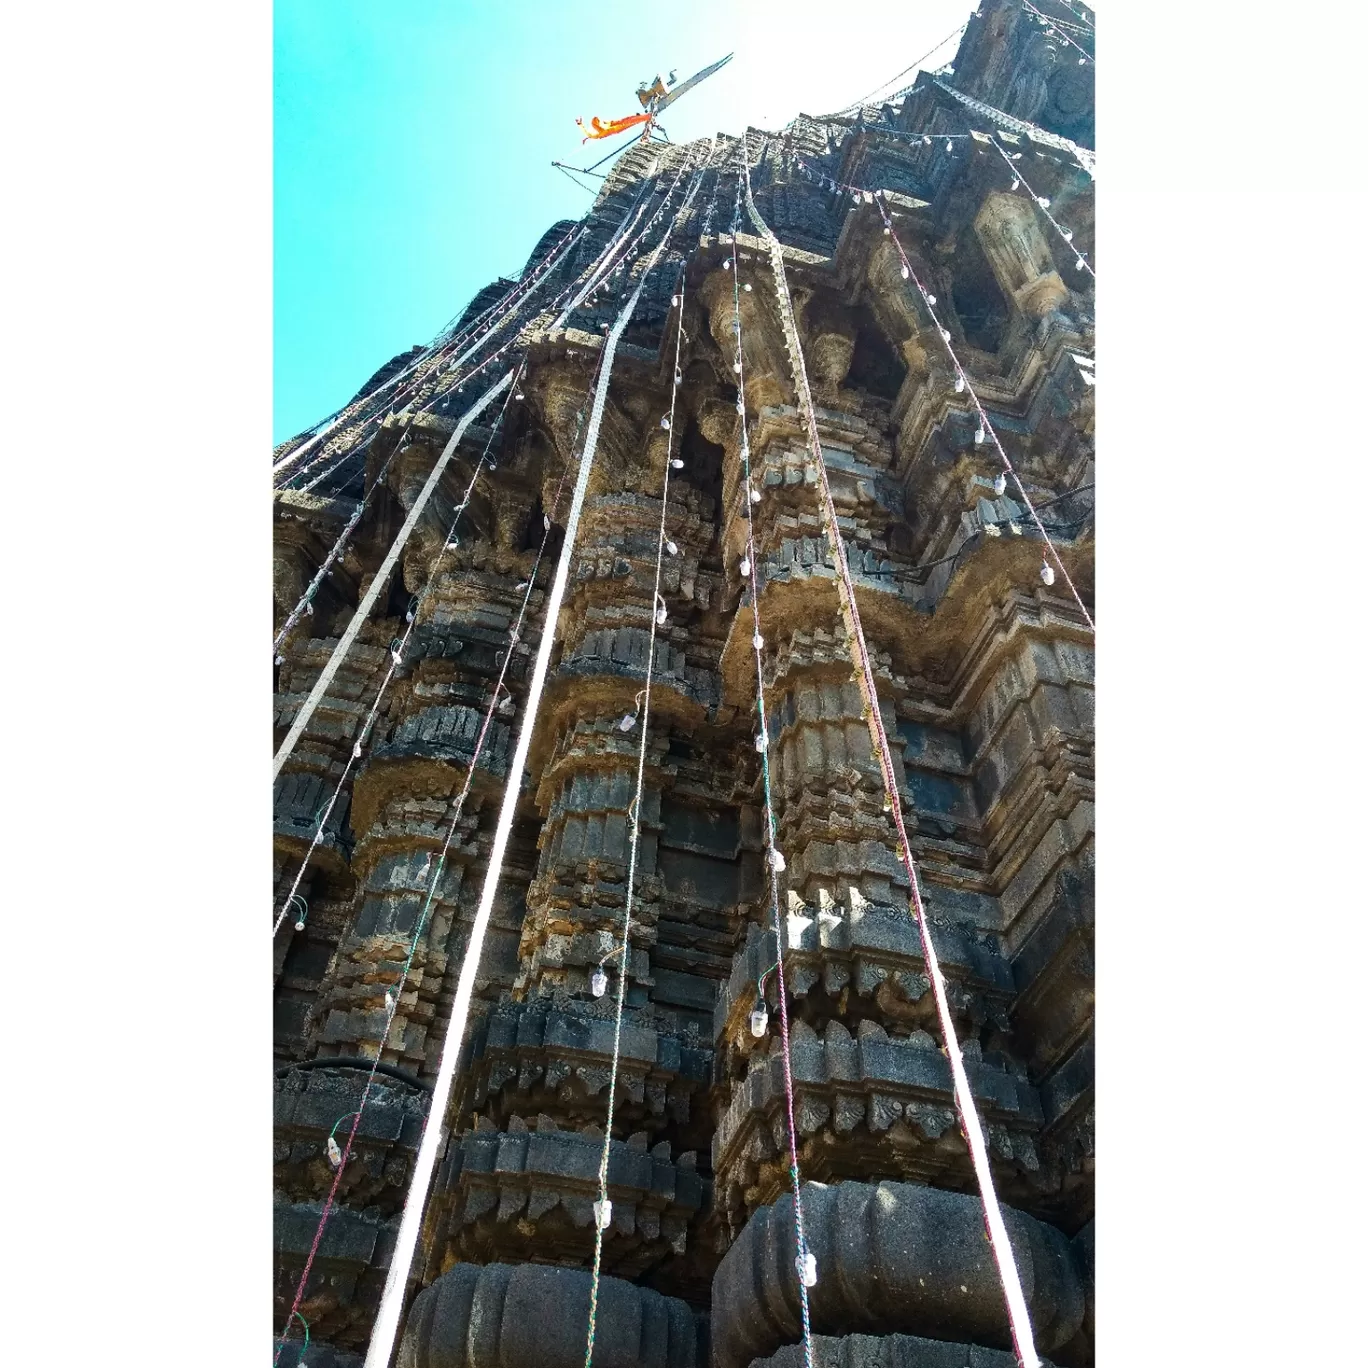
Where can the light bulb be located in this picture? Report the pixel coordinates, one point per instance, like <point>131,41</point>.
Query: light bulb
<point>931,300</point>
<point>905,273</point>
<point>598,981</point>
<point>665,422</point>
<point>806,1266</point>
<point>389,999</point>
<point>356,751</point>
<point>945,334</point>
<point>736,366</point>
<point>887,231</point>
<point>755,496</point>
<point>978,436</point>
<point>949,146</point>
<point>546,522</point>
<point>506,704</point>
<point>603,1213</point>
<point>334,1154</point>
<point>1080,263</point>
<point>1014,528</point>
<point>674,301</point>
<point>726,265</point>
<point>759,1020</point>
<point>992,530</point>
<point>660,617</point>
<point>395,656</point>
<point>627,723</point>
<point>758,642</point>
<point>1068,234</point>
<point>777,861</point>
<point>679,376</point>
<point>299,925</point>
<point>926,138</point>
<point>521,586</point>
<point>959,384</point>
<point>1082,61</point>
<point>1000,485</point>
<point>676,463</point>
<point>280,660</point>
<point>761,743</point>
<point>745,566</point>
<point>1016,183</point>
<point>1043,201</point>
<point>671,548</point>
<point>1047,572</point>
<point>308,608</point>
<point>519,395</point>
<point>741,406</point>
<point>747,287</point>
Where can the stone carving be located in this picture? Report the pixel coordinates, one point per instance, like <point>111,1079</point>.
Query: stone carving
<point>984,680</point>
<point>891,1257</point>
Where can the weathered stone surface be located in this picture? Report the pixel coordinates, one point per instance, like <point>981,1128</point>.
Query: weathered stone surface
<point>889,1351</point>
<point>891,1257</point>
<point>537,1317</point>
<point>983,682</point>
<point>530,1193</point>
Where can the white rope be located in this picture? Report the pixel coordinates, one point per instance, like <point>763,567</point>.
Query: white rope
<point>773,857</point>
<point>624,953</point>
<point>386,1326</point>
<point>1017,1313</point>
<point>396,656</point>
<point>434,349</point>
<point>606,262</point>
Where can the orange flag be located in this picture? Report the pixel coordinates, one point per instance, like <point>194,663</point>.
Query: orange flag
<point>612,127</point>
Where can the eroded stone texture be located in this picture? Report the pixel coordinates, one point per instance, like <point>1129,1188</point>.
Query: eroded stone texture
<point>984,684</point>
<point>890,1257</point>
<point>532,1316</point>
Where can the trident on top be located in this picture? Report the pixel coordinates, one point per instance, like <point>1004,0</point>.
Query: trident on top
<point>654,97</point>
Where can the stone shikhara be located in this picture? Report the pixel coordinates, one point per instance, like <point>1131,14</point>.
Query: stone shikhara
<point>985,689</point>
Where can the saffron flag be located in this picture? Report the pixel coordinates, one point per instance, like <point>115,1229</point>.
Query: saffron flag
<point>612,127</point>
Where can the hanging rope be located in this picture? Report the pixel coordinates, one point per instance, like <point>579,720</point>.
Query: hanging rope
<point>603,1208</point>
<point>1017,1314</point>
<point>864,99</point>
<point>394,996</point>
<point>524,285</point>
<point>386,1325</point>
<point>985,427</point>
<point>381,581</point>
<point>397,654</point>
<point>607,261</point>
<point>774,859</point>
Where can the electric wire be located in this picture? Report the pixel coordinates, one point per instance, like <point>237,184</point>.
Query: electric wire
<point>1018,1316</point>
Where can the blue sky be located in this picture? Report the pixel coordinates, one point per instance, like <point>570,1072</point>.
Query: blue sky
<point>413,142</point>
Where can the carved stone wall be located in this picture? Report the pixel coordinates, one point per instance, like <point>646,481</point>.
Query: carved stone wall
<point>984,677</point>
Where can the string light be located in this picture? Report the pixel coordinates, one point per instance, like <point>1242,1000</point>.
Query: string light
<point>759,1019</point>
<point>1047,573</point>
<point>745,566</point>
<point>1018,1315</point>
<point>603,1208</point>
<point>999,484</point>
<point>1009,469</point>
<point>598,981</point>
